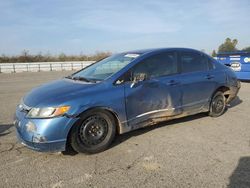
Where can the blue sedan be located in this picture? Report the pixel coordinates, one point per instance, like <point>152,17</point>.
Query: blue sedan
<point>121,93</point>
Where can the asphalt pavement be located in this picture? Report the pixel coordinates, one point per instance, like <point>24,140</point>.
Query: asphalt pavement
<point>197,151</point>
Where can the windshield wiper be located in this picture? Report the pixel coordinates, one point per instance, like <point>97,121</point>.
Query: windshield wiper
<point>83,79</point>
<point>68,77</point>
<point>80,78</point>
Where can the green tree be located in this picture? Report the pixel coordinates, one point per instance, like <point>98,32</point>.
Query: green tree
<point>247,49</point>
<point>214,54</point>
<point>228,46</point>
<point>62,57</point>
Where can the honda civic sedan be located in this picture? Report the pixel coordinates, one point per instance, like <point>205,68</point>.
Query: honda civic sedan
<point>121,93</point>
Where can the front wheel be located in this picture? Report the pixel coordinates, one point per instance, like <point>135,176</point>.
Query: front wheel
<point>94,133</point>
<point>217,105</point>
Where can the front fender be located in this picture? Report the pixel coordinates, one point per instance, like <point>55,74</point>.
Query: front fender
<point>121,127</point>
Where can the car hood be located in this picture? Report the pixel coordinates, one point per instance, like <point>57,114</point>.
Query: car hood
<point>57,93</point>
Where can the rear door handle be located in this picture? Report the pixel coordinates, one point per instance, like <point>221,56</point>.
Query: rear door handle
<point>173,83</point>
<point>209,77</point>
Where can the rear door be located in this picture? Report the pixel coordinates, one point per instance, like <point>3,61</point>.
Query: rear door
<point>198,81</point>
<point>159,95</point>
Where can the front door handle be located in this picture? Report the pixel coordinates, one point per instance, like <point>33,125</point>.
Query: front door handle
<point>173,83</point>
<point>209,77</point>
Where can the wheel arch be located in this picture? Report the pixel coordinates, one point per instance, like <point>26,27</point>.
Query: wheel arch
<point>107,109</point>
<point>112,112</point>
<point>224,89</point>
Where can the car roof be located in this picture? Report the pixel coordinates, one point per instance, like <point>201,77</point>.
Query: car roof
<point>144,51</point>
<point>233,53</point>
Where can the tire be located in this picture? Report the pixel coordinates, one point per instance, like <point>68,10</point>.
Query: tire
<point>217,105</point>
<point>94,132</point>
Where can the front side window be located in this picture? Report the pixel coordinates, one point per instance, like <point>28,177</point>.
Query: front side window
<point>106,67</point>
<point>193,62</point>
<point>162,64</point>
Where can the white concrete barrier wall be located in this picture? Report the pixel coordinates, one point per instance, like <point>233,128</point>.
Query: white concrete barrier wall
<point>43,66</point>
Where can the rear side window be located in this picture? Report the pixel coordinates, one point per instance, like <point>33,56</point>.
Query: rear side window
<point>162,64</point>
<point>210,64</point>
<point>193,62</point>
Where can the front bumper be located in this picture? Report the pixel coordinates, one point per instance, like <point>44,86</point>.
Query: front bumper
<point>45,135</point>
<point>52,146</point>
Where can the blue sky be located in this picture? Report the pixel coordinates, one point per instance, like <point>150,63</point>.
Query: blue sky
<point>87,26</point>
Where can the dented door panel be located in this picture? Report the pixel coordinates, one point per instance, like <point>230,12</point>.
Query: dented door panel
<point>153,99</point>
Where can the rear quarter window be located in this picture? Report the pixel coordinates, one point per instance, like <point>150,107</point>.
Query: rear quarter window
<point>211,63</point>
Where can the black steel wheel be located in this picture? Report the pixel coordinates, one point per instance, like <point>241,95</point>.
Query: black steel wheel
<point>94,133</point>
<point>93,130</point>
<point>217,105</point>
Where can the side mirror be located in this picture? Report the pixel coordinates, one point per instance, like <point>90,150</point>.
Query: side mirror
<point>138,77</point>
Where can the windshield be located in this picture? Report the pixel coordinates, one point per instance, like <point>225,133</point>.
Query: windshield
<point>105,68</point>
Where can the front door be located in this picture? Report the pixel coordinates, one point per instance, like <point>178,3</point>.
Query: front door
<point>159,95</point>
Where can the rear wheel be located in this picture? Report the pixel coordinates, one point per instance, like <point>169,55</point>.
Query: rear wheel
<point>94,133</point>
<point>217,105</point>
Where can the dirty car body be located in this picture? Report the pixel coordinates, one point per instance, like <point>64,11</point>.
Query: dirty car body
<point>146,87</point>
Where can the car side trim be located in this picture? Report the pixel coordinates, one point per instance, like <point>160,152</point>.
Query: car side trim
<point>164,110</point>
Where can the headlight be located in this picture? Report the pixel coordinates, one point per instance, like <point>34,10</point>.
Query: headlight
<point>48,112</point>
